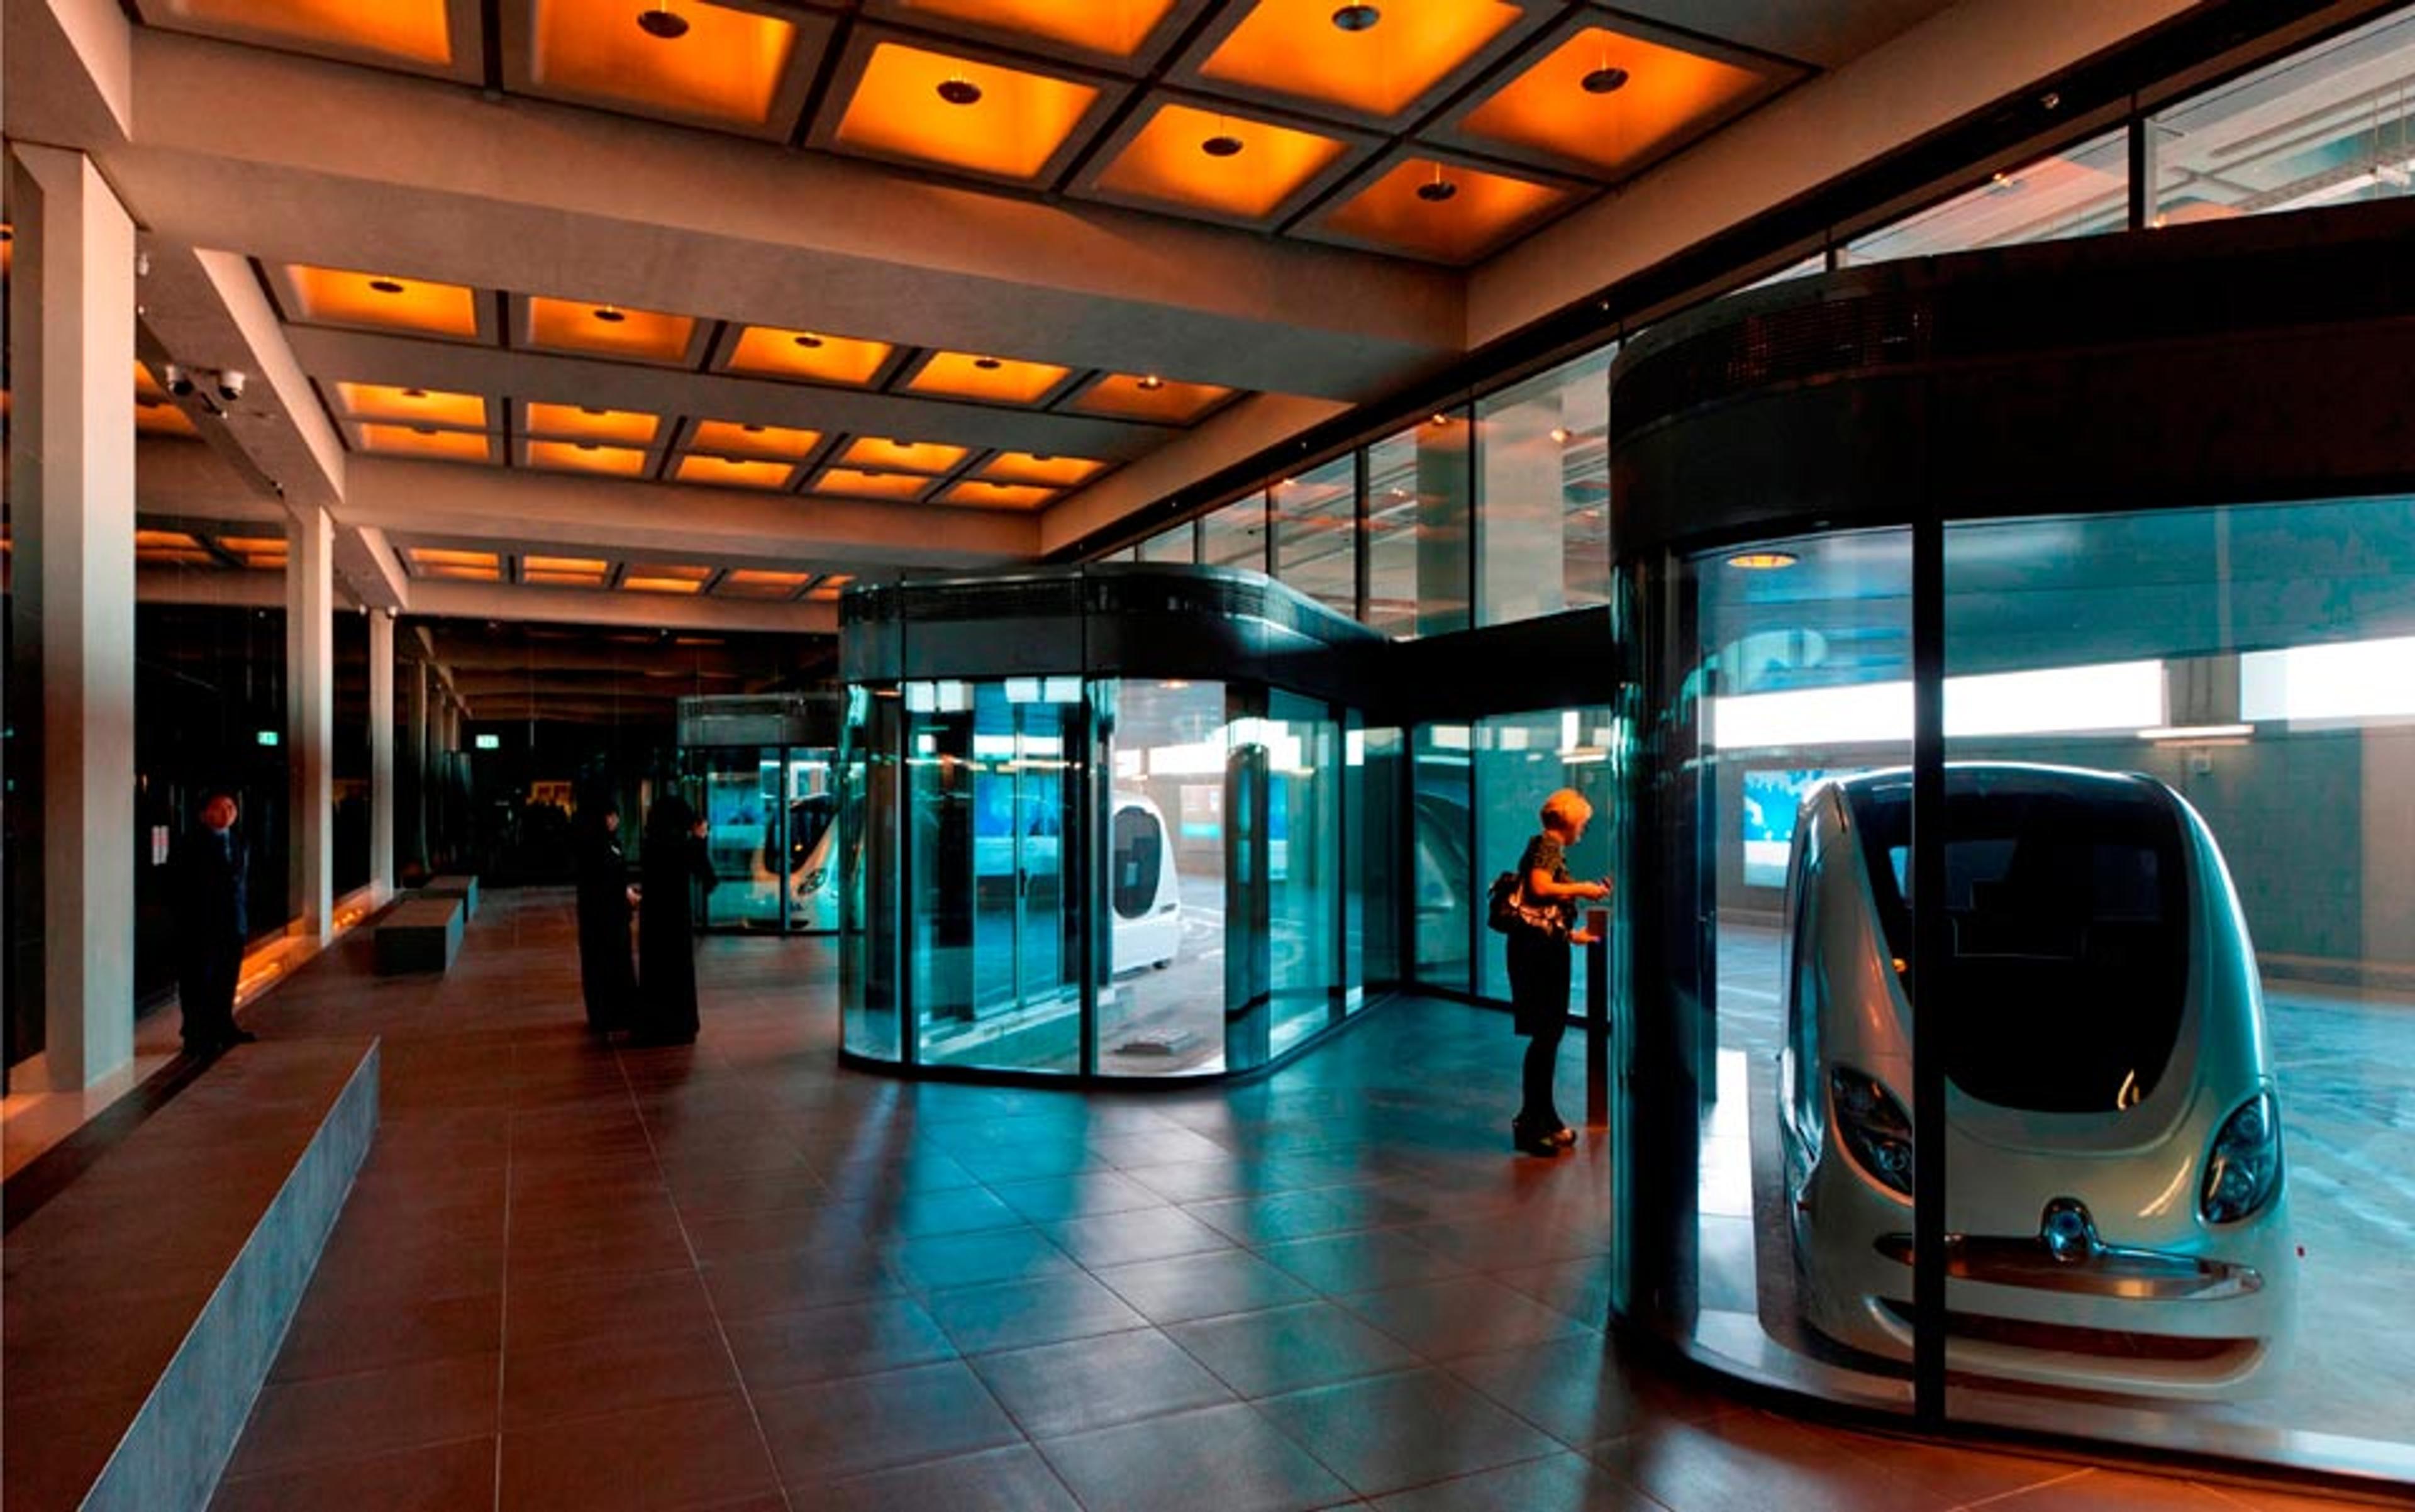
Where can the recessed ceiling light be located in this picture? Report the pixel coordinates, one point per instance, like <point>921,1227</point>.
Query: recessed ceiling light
<point>1437,191</point>
<point>1763,560</point>
<point>1604,81</point>
<point>1222,146</point>
<point>587,446</point>
<point>1356,17</point>
<point>987,365</point>
<point>960,91</point>
<point>589,408</point>
<point>424,430</point>
<point>415,394</point>
<point>386,286</point>
<point>608,315</point>
<point>661,22</point>
<point>1041,457</point>
<point>752,430</point>
<point>1560,434</point>
<point>807,340</point>
<point>1151,383</point>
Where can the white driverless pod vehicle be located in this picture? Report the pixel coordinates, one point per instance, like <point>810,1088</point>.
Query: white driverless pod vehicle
<point>810,867</point>
<point>2116,1216</point>
<point>1144,894</point>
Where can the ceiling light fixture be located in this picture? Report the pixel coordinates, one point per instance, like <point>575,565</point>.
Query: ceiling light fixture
<point>608,315</point>
<point>1763,560</point>
<point>808,342</point>
<point>415,394</point>
<point>423,430</point>
<point>1151,383</point>
<point>1560,434</point>
<point>589,408</point>
<point>587,446</point>
<point>987,365</point>
<point>958,90</point>
<point>662,22</point>
<point>1437,189</point>
<point>1356,17</point>
<point>386,286</point>
<point>1223,144</point>
<point>1604,81</point>
<point>752,430</point>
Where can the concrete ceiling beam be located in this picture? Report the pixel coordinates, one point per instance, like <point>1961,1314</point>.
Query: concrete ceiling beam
<point>368,169</point>
<point>651,611</point>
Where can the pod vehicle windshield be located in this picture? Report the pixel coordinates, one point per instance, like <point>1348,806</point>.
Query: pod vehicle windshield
<point>2116,1216</point>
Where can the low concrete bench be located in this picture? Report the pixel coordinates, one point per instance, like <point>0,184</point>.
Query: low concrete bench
<point>421,934</point>
<point>463,887</point>
<point>147,1297</point>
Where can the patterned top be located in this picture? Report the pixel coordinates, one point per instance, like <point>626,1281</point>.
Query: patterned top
<point>1546,854</point>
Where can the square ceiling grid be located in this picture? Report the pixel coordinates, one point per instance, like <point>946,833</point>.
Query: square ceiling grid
<point>440,559</point>
<point>1440,130</point>
<point>475,421</point>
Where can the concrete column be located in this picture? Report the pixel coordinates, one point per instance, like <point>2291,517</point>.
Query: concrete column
<point>382,793</point>
<point>73,507</point>
<point>311,719</point>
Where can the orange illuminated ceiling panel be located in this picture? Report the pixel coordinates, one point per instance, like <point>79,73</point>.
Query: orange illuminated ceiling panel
<point>1110,28</point>
<point>756,583</point>
<point>335,296</point>
<point>588,457</point>
<point>964,375</point>
<point>468,566</point>
<point>731,472</point>
<point>579,421</point>
<point>769,351</point>
<point>1147,396</point>
<point>1202,160</point>
<point>935,108</point>
<point>864,484</point>
<point>729,437</point>
<point>428,442</point>
<point>1445,211</point>
<point>148,540</point>
<point>675,58</point>
<point>427,407</point>
<point>158,417</point>
<point>1026,467</point>
<point>581,566</point>
<point>146,386</point>
<point>260,553</point>
<point>902,456</point>
<point>996,494</point>
<point>830,588</point>
<point>659,577</point>
<point>1311,51</point>
<point>417,31</point>
<point>608,330</point>
<point>1610,101</point>
<point>544,577</point>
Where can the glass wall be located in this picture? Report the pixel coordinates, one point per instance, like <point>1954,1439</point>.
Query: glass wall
<point>1162,1005</point>
<point>1542,451</point>
<point>1316,533</point>
<point>1235,535</point>
<point>1795,1039</point>
<point>2183,972</point>
<point>1304,904</point>
<point>1520,760</point>
<point>1442,873</point>
<point>768,832</point>
<point>1181,543</point>
<point>2081,191</point>
<point>2327,126</point>
<point>1203,822</point>
<point>1419,551</point>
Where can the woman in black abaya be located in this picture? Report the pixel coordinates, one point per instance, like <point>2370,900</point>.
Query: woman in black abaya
<point>606,974</point>
<point>674,857</point>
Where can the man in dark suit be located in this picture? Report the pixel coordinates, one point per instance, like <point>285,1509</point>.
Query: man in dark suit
<point>212,884</point>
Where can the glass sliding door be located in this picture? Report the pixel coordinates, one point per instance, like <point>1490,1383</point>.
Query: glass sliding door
<point>1004,816</point>
<point>1162,1002</point>
<point>744,834</point>
<point>869,916</point>
<point>1304,901</point>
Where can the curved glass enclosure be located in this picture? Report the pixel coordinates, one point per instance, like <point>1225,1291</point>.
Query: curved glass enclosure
<point>1098,823</point>
<point>2023,989</point>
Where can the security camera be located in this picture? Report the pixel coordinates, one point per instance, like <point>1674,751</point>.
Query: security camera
<point>179,381</point>
<point>231,385</point>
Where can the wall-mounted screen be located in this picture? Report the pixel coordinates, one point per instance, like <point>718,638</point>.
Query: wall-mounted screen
<point>1770,799</point>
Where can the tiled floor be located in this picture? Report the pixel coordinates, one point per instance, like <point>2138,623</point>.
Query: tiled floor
<point>737,1278</point>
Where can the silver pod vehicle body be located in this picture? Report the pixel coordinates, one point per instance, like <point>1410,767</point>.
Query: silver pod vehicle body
<point>2116,1210</point>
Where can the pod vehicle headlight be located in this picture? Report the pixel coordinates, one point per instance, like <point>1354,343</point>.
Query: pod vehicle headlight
<point>1874,1125</point>
<point>2244,1170</point>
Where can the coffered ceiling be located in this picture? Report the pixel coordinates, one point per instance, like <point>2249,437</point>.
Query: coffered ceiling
<point>671,303</point>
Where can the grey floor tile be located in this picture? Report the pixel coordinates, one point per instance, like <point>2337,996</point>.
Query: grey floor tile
<point>1203,1286</point>
<point>1365,1261</point>
<point>836,1429</point>
<point>1286,1349</point>
<point>1560,1483</point>
<point>609,1372</point>
<point>1465,1316</point>
<point>786,1349</point>
<point>1129,1238</point>
<point>697,1453</point>
<point>948,1259</point>
<point>1094,1382</point>
<point>1390,1432</point>
<point>1014,1479</point>
<point>444,1478</point>
<point>1217,1460</point>
<point>1019,1315</point>
<point>353,1416</point>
